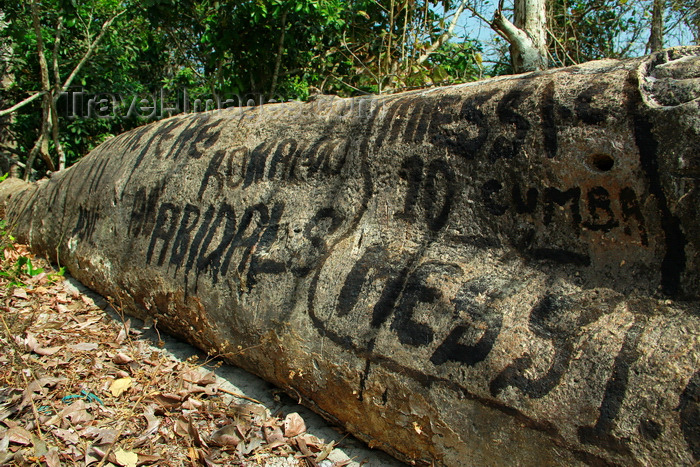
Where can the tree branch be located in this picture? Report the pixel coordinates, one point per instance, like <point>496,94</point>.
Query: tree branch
<point>56,46</point>
<point>55,94</point>
<point>482,18</point>
<point>91,49</point>
<point>515,36</point>
<point>280,51</point>
<point>561,46</point>
<point>525,53</point>
<point>41,146</point>
<point>444,36</point>
<point>8,158</point>
<point>22,103</point>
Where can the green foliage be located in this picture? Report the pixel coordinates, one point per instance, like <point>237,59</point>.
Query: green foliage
<point>272,49</point>
<point>19,267</point>
<point>263,49</point>
<point>114,67</point>
<point>24,265</point>
<point>6,239</point>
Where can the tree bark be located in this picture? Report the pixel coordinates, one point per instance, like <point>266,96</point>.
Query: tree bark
<point>55,94</point>
<point>506,272</point>
<point>527,35</point>
<point>7,80</point>
<point>280,53</point>
<point>656,38</point>
<point>41,146</point>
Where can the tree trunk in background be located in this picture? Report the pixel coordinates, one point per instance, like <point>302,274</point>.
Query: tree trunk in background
<point>527,35</point>
<point>531,17</point>
<point>41,146</point>
<point>656,39</point>
<point>7,80</point>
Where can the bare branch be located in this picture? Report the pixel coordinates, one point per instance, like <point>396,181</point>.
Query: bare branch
<point>56,46</point>
<point>91,49</point>
<point>280,51</point>
<point>22,103</point>
<point>563,49</point>
<point>482,18</point>
<point>444,36</point>
<point>10,160</point>
<point>512,34</point>
<point>527,44</point>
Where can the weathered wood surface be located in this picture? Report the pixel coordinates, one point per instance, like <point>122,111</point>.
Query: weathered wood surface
<point>486,274</point>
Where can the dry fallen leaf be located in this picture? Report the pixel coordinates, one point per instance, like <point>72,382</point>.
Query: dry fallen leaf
<point>325,452</point>
<point>122,359</point>
<point>52,458</point>
<point>84,346</point>
<point>417,427</point>
<point>192,404</point>
<point>46,351</point>
<point>168,401</point>
<point>226,436</point>
<point>69,436</point>
<point>20,293</point>
<point>126,458</point>
<point>120,385</point>
<point>19,435</point>
<point>273,434</point>
<point>293,425</point>
<point>74,354</point>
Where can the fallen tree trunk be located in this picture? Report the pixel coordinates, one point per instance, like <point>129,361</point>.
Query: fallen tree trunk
<point>477,274</point>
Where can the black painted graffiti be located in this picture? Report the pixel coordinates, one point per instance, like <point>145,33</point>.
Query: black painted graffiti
<point>455,133</point>
<point>209,239</point>
<point>286,160</point>
<point>217,240</point>
<point>321,226</point>
<point>403,291</point>
<point>554,319</point>
<point>191,137</point>
<point>471,342</point>
<point>144,209</point>
<point>602,215</point>
<point>689,407</point>
<point>464,127</point>
<point>505,147</point>
<point>435,191</point>
<point>87,222</point>
<point>600,433</point>
<point>604,210</point>
<point>674,262</point>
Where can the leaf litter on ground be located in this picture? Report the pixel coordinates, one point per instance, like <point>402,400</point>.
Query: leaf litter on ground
<point>80,388</point>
